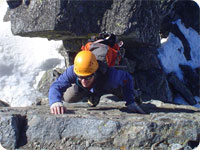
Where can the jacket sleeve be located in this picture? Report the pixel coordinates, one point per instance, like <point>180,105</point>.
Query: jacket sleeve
<point>61,84</point>
<point>120,78</point>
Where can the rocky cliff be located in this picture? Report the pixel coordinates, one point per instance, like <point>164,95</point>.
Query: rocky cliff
<point>109,126</point>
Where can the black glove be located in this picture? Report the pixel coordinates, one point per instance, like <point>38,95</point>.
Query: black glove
<point>134,107</point>
<point>93,101</point>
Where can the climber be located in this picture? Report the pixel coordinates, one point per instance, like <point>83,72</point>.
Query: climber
<point>85,79</point>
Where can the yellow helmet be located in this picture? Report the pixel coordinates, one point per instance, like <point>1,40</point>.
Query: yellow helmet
<point>85,63</point>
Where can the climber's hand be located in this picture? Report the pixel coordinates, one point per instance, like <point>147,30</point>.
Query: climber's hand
<point>57,108</point>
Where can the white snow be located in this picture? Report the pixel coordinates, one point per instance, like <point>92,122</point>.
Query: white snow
<point>22,59</point>
<point>171,54</point>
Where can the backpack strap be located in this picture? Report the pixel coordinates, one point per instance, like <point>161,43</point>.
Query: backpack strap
<point>86,47</point>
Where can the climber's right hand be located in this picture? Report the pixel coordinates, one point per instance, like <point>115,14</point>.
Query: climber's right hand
<point>57,108</point>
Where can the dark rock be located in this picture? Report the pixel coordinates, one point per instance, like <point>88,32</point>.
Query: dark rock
<point>27,2</point>
<point>191,145</point>
<point>14,3</point>
<point>191,79</point>
<point>198,73</point>
<point>9,130</point>
<point>146,58</point>
<point>74,45</point>
<point>184,10</point>
<point>172,10</point>
<point>127,65</point>
<point>69,58</point>
<point>149,77</point>
<point>153,85</point>
<point>188,12</point>
<point>179,87</point>
<point>71,48</point>
<point>136,21</point>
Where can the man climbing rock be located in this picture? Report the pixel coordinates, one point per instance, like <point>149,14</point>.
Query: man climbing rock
<point>85,79</point>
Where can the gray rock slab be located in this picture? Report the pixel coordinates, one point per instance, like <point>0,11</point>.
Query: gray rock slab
<point>107,126</point>
<point>54,128</point>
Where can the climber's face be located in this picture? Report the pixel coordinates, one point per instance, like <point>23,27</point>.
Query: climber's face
<point>86,81</point>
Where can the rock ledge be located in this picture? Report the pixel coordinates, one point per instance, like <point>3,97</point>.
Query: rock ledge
<point>108,126</point>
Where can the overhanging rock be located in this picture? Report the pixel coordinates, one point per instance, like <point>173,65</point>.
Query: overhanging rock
<point>66,19</point>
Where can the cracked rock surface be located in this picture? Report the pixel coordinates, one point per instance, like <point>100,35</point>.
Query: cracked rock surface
<point>107,126</point>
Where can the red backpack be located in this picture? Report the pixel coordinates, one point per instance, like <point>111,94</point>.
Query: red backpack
<point>105,53</point>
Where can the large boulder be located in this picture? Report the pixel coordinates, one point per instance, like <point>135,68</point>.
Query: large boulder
<point>137,21</point>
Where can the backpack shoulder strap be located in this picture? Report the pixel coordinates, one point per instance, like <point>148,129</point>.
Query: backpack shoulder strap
<point>87,46</point>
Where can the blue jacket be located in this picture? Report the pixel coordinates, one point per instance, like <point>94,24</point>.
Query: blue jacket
<point>113,79</point>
